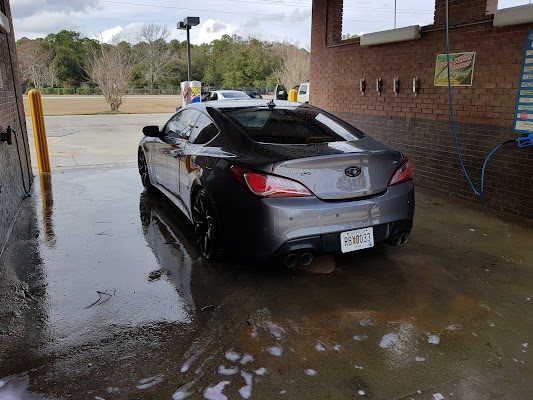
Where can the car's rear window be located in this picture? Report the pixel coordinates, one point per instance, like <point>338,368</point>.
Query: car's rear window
<point>235,95</point>
<point>291,125</point>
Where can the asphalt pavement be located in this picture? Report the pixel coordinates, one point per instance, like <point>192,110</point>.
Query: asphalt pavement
<point>104,295</point>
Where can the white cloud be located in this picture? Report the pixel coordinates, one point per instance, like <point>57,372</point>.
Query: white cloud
<point>28,8</point>
<point>109,35</point>
<point>211,30</point>
<point>44,23</point>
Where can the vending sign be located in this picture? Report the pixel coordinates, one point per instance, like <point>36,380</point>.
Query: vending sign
<point>523,118</point>
<point>461,71</point>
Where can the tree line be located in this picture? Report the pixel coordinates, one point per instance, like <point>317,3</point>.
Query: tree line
<point>68,59</point>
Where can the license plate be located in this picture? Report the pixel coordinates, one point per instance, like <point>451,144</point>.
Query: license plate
<point>357,239</point>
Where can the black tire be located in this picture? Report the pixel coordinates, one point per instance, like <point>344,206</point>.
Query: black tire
<point>143,171</point>
<point>205,226</point>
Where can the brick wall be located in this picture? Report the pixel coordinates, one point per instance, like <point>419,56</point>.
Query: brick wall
<point>420,125</point>
<point>12,157</point>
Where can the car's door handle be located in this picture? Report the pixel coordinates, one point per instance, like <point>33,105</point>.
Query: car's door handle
<point>176,153</point>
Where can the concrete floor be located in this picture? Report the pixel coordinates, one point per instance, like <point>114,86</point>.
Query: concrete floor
<point>105,296</point>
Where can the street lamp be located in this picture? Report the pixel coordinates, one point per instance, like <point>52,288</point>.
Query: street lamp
<point>186,24</point>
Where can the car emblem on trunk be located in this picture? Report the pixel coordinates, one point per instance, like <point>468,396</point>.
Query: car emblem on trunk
<point>353,171</point>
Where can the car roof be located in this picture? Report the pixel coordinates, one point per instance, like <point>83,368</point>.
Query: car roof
<point>244,103</point>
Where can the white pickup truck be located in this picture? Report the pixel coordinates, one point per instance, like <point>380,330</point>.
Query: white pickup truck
<point>281,93</point>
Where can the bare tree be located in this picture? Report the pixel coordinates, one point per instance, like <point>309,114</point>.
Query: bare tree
<point>36,64</point>
<point>110,67</point>
<point>294,67</point>
<point>156,54</point>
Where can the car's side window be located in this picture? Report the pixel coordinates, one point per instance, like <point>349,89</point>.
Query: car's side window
<point>204,130</point>
<point>303,89</point>
<point>179,126</point>
<point>214,96</point>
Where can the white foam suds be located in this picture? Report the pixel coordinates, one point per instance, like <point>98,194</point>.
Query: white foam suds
<point>320,347</point>
<point>389,340</point>
<point>147,383</point>
<point>187,364</point>
<point>366,322</point>
<point>246,358</point>
<point>491,324</point>
<point>523,345</point>
<point>275,350</point>
<point>96,398</point>
<point>359,338</point>
<point>246,391</point>
<point>283,392</point>
<point>182,392</point>
<point>260,371</point>
<point>420,359</point>
<point>438,396</point>
<point>274,330</point>
<point>310,372</point>
<point>337,347</point>
<point>222,370</point>
<point>433,339</point>
<point>232,356</point>
<point>215,392</point>
<point>455,328</point>
<point>112,389</point>
<point>361,392</point>
<point>254,332</point>
<point>358,367</point>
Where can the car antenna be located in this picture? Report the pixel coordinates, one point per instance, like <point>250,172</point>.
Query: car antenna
<point>271,104</point>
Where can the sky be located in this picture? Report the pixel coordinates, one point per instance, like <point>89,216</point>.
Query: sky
<point>264,19</point>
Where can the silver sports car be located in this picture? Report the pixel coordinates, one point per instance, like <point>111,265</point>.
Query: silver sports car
<point>279,180</point>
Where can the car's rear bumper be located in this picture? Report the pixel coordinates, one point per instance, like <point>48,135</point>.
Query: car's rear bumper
<point>267,228</point>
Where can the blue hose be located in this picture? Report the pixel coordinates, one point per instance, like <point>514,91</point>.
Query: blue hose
<point>480,192</point>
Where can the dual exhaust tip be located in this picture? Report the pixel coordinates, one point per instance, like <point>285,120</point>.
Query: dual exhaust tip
<point>292,259</point>
<point>399,239</point>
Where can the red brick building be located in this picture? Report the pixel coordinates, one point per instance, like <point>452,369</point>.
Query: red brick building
<point>419,125</point>
<point>15,164</point>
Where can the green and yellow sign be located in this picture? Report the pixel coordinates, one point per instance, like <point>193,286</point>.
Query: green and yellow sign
<point>461,71</point>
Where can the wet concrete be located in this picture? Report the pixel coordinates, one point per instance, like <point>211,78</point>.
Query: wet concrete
<point>105,296</point>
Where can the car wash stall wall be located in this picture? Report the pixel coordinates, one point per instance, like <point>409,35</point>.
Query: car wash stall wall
<point>419,125</point>
<point>15,168</point>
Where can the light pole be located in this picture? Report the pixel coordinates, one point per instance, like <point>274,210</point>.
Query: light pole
<point>186,24</point>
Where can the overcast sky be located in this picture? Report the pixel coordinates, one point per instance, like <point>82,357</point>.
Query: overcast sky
<point>265,19</point>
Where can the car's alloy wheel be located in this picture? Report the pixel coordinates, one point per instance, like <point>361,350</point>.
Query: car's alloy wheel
<point>203,217</point>
<point>143,171</point>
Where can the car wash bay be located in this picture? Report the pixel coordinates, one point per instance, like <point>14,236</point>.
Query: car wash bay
<point>106,296</point>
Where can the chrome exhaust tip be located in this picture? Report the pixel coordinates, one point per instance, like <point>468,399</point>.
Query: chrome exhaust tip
<point>396,241</point>
<point>306,259</point>
<point>291,260</point>
<point>399,239</point>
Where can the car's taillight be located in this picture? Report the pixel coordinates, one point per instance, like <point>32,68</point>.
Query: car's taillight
<point>266,185</point>
<point>402,174</point>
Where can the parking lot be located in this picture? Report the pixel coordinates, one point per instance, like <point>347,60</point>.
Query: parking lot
<point>106,296</point>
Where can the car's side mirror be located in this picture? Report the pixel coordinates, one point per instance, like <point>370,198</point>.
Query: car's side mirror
<point>151,131</point>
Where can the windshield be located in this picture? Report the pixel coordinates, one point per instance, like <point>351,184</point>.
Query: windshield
<point>291,125</point>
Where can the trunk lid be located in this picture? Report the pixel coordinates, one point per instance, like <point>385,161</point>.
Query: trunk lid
<point>341,170</point>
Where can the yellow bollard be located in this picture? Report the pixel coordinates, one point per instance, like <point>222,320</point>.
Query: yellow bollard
<point>39,130</point>
<point>293,95</point>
